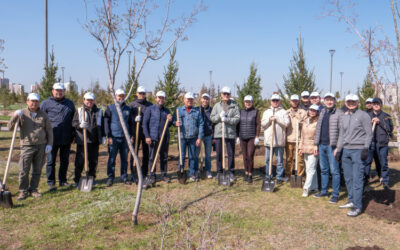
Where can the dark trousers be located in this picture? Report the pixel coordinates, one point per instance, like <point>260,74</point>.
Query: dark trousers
<point>93,156</point>
<point>145,158</point>
<point>230,148</point>
<point>353,168</point>
<point>51,164</point>
<point>248,149</point>
<point>163,155</point>
<point>118,144</point>
<point>379,155</point>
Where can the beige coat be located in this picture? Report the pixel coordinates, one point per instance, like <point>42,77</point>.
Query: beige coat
<point>281,123</point>
<point>307,135</point>
<point>296,117</point>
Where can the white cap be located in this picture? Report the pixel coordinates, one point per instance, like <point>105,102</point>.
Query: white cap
<point>352,97</point>
<point>369,100</point>
<point>305,93</point>
<point>315,93</point>
<point>89,96</point>
<point>248,98</point>
<point>315,107</point>
<point>275,97</point>
<point>141,89</point>
<point>120,92</point>
<point>205,95</point>
<point>294,97</point>
<point>226,90</point>
<point>161,94</point>
<point>33,97</point>
<point>329,95</point>
<point>58,85</point>
<point>189,95</point>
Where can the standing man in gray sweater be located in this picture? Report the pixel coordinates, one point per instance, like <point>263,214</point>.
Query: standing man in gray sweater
<point>355,135</point>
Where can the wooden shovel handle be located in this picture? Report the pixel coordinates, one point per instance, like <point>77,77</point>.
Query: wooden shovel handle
<point>297,146</point>
<point>223,145</point>
<point>85,141</point>
<point>179,139</point>
<point>373,126</point>
<point>271,147</point>
<point>137,137</point>
<point>10,153</point>
<point>159,145</point>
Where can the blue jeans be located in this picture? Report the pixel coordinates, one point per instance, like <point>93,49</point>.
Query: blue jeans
<point>278,151</point>
<point>118,144</point>
<point>207,141</point>
<point>189,144</point>
<point>353,168</point>
<point>328,165</point>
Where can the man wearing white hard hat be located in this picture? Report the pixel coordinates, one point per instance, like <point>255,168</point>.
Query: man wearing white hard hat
<point>315,98</point>
<point>154,120</point>
<point>116,137</point>
<point>36,139</point>
<point>305,100</point>
<point>226,111</point>
<point>191,125</point>
<point>277,114</point>
<point>142,104</point>
<point>248,131</point>
<point>355,136</point>
<point>325,142</point>
<point>296,116</point>
<point>368,105</point>
<point>60,111</point>
<point>94,125</point>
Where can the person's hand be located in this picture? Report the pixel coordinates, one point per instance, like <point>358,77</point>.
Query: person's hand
<point>222,114</point>
<point>18,113</point>
<point>375,119</point>
<point>223,119</point>
<point>178,124</point>
<point>48,149</point>
<point>110,141</point>
<point>272,118</point>
<point>338,155</point>
<point>148,141</point>
<point>169,117</point>
<point>103,140</point>
<point>315,150</point>
<point>138,118</point>
<point>238,141</point>
<point>256,141</point>
<point>364,154</point>
<point>84,124</point>
<point>198,142</point>
<point>300,152</point>
<point>132,140</point>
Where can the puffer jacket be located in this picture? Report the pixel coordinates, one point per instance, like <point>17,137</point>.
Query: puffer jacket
<point>192,123</point>
<point>154,121</point>
<point>281,123</point>
<point>307,135</point>
<point>296,117</point>
<point>232,119</point>
<point>334,120</point>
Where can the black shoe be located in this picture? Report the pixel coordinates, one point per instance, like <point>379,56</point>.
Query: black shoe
<point>23,196</point>
<point>334,200</point>
<point>128,182</point>
<point>246,178</point>
<point>232,176</point>
<point>109,182</point>
<point>65,184</point>
<point>354,212</point>
<point>284,179</point>
<point>52,188</point>
<point>166,179</point>
<point>319,195</point>
<point>279,182</point>
<point>386,187</point>
<point>250,179</point>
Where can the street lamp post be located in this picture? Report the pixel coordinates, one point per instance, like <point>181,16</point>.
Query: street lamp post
<point>332,51</point>
<point>341,84</point>
<point>62,68</point>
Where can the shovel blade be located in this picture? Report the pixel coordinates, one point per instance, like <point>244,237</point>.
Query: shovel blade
<point>86,184</point>
<point>268,185</point>
<point>299,181</point>
<point>203,174</point>
<point>182,177</point>
<point>293,183</point>
<point>6,199</point>
<point>224,179</point>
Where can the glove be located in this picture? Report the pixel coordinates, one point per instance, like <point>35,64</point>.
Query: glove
<point>48,149</point>
<point>256,141</point>
<point>18,112</point>
<point>138,118</point>
<point>364,154</point>
<point>223,119</point>
<point>103,140</point>
<point>338,156</point>
<point>84,125</point>
<point>238,141</point>
<point>222,114</point>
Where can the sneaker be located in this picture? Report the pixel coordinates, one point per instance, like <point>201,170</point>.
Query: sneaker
<point>305,193</point>
<point>65,184</point>
<point>319,195</point>
<point>36,194</point>
<point>128,182</point>
<point>354,212</point>
<point>209,175</point>
<point>76,185</point>
<point>232,177</point>
<point>250,179</point>
<point>192,178</point>
<point>333,200</point>
<point>166,179</point>
<point>347,205</point>
<point>279,182</point>
<point>22,196</point>
<point>245,178</point>
<point>386,187</point>
<point>284,179</point>
<point>52,188</point>
<point>109,182</point>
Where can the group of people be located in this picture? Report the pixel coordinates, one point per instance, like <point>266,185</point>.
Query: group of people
<point>320,140</point>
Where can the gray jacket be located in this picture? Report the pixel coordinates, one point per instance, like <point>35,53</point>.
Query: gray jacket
<point>333,126</point>
<point>355,130</point>
<point>232,119</point>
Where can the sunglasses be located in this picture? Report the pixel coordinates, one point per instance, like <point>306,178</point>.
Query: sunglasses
<point>142,93</point>
<point>226,93</point>
<point>368,103</point>
<point>376,104</point>
<point>275,100</point>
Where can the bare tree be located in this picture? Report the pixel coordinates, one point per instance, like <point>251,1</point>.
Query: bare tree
<point>118,27</point>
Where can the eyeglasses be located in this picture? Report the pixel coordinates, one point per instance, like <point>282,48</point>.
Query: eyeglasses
<point>376,104</point>
<point>142,93</point>
<point>368,103</point>
<point>275,100</point>
<point>305,96</point>
<point>226,93</point>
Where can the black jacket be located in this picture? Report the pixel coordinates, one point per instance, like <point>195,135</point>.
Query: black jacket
<point>208,125</point>
<point>95,131</point>
<point>135,105</point>
<point>384,130</point>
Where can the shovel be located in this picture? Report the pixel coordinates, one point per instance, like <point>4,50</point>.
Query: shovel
<point>5,195</point>
<point>182,175</point>
<point>133,169</point>
<point>268,184</point>
<point>224,178</point>
<point>85,183</point>
<point>202,171</point>
<point>149,179</point>
<point>296,181</point>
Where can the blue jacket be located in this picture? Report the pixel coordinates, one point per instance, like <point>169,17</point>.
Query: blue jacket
<point>112,124</point>
<point>384,130</point>
<point>192,123</point>
<point>153,122</point>
<point>208,125</point>
<point>60,113</point>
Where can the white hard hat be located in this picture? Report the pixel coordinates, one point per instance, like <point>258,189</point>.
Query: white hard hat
<point>248,98</point>
<point>314,107</point>
<point>33,97</point>
<point>226,89</point>
<point>352,97</point>
<point>189,95</point>
<point>315,93</point>
<point>120,92</point>
<point>89,96</point>
<point>161,94</point>
<point>141,89</point>
<point>58,85</point>
<point>294,97</point>
<point>205,95</point>
<point>329,95</point>
<point>369,100</point>
<point>275,97</point>
<point>305,93</point>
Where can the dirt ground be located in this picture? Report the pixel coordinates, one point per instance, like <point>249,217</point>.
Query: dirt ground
<point>383,204</point>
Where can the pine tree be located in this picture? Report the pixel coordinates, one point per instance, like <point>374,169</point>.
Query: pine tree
<point>170,83</point>
<point>49,78</point>
<point>299,77</point>
<point>132,79</point>
<point>73,94</point>
<point>367,90</point>
<point>251,87</point>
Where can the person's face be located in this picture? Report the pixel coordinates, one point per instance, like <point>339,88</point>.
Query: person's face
<point>225,96</point>
<point>305,99</point>
<point>33,105</point>
<point>368,105</point>
<point>88,102</point>
<point>58,93</point>
<point>248,104</point>
<point>120,97</point>
<point>294,103</point>
<point>140,95</point>
<point>188,102</point>
<point>160,100</point>
<point>329,102</point>
<point>315,100</point>
<point>376,106</point>
<point>205,101</point>
<point>312,113</point>
<point>351,104</point>
<point>275,103</point>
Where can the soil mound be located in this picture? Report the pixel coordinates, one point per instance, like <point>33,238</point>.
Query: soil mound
<point>383,204</point>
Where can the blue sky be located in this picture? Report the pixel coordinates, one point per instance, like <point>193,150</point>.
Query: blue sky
<point>226,39</point>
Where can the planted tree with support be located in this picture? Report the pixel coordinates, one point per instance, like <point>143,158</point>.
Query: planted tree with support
<point>132,80</point>
<point>367,90</point>
<point>116,27</point>
<point>251,87</point>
